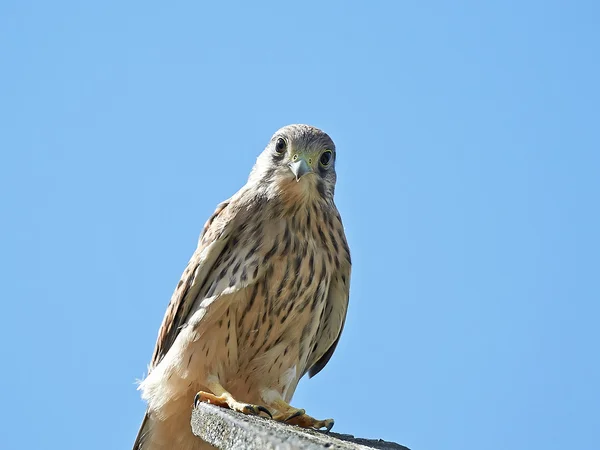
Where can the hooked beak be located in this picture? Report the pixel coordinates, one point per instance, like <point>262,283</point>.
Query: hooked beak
<point>300,167</point>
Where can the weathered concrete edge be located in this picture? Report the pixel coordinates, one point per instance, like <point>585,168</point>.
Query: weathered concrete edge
<point>229,430</point>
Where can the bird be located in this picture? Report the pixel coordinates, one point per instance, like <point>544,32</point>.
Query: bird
<point>262,301</point>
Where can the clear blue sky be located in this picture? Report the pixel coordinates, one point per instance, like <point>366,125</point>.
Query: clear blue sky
<point>469,183</point>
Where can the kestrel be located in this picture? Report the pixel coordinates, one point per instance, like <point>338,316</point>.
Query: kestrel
<point>261,302</point>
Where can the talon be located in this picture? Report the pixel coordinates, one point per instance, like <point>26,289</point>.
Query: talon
<point>298,413</point>
<point>329,425</point>
<point>250,409</point>
<point>196,400</point>
<point>265,410</point>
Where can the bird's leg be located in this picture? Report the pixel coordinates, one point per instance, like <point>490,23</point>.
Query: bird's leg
<point>289,414</point>
<point>224,399</point>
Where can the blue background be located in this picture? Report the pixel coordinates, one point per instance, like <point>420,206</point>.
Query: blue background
<point>469,166</point>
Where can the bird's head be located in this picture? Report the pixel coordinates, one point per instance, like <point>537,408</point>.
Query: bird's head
<point>299,160</point>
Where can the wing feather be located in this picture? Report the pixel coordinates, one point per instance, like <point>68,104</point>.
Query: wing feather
<point>331,329</point>
<point>213,239</point>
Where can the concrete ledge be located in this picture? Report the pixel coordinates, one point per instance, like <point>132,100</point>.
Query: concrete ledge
<point>230,430</point>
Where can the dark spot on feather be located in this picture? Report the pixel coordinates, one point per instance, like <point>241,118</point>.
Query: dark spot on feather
<point>294,291</point>
<point>329,221</point>
<point>284,280</point>
<point>252,251</point>
<point>313,304</point>
<point>273,250</point>
<point>253,295</point>
<point>228,259</point>
<point>302,290</point>
<point>290,307</point>
<point>343,238</point>
<point>298,263</point>
<point>268,275</point>
<point>236,267</point>
<point>311,266</point>
<point>286,240</point>
<point>333,240</point>
<point>323,238</point>
<point>323,276</point>
<point>204,284</point>
<point>257,232</point>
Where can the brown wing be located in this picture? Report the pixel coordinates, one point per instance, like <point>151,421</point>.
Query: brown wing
<point>331,328</point>
<point>142,433</point>
<point>213,238</point>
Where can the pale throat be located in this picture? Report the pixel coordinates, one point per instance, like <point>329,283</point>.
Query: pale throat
<point>303,191</point>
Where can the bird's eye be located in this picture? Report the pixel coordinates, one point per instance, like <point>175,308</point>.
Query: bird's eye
<point>326,158</point>
<point>280,145</point>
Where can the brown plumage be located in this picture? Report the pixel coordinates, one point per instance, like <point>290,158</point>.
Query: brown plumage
<point>262,301</point>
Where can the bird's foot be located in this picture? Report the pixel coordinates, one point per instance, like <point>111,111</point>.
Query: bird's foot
<point>296,416</point>
<point>227,401</point>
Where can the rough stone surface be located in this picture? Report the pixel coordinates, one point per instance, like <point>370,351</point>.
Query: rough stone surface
<point>229,430</point>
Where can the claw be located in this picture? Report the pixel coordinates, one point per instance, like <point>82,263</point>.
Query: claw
<point>298,413</point>
<point>265,410</point>
<point>251,409</point>
<point>196,400</point>
<point>256,410</point>
<point>329,425</point>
